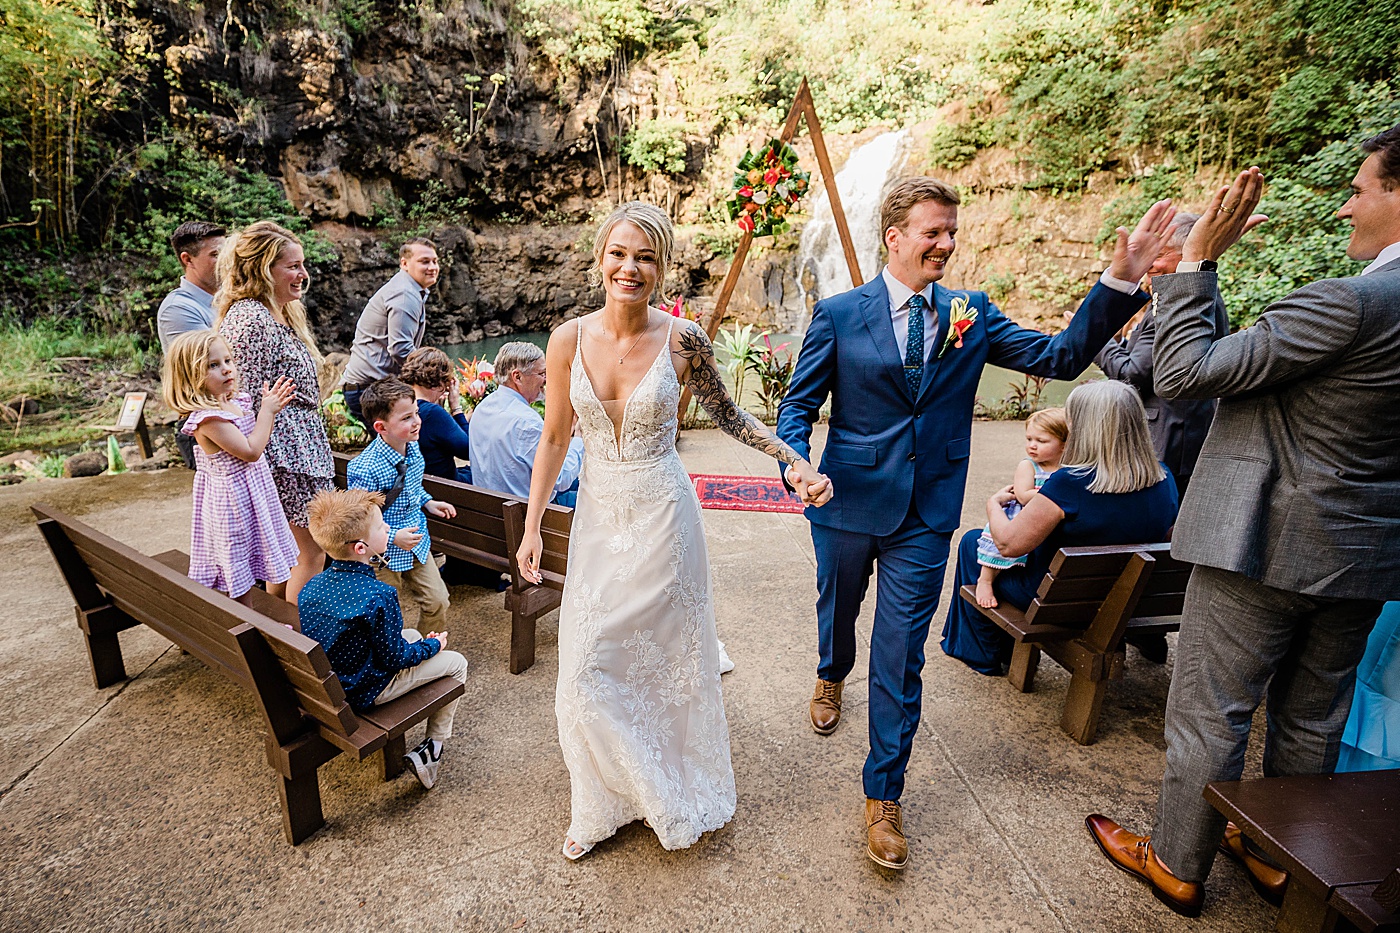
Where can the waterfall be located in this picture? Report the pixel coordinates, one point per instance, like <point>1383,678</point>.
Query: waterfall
<point>821,267</point>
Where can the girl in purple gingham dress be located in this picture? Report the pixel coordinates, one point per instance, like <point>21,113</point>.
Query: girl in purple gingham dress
<point>238,532</point>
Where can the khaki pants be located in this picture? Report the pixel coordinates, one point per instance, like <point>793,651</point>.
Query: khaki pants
<point>422,583</point>
<point>443,664</point>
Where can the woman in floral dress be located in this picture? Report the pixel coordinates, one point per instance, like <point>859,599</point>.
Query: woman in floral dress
<point>262,275</point>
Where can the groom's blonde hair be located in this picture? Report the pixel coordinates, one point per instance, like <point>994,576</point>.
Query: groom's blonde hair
<point>906,193</point>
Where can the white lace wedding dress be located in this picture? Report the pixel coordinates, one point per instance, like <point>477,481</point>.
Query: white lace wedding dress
<point>641,716</point>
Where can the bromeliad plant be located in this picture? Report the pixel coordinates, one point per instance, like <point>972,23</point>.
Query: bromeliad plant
<point>774,369</point>
<point>767,188</point>
<point>741,346</point>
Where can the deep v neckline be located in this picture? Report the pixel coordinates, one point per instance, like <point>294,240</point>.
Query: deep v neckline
<point>620,428</point>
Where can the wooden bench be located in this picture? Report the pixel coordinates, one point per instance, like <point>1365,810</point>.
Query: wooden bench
<point>481,534</point>
<point>305,715</point>
<point>1091,599</point>
<point>1337,836</point>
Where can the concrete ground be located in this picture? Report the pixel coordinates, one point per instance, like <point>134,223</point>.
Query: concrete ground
<point>149,805</point>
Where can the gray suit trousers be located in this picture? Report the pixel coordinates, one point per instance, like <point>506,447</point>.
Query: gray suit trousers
<point>1239,639</point>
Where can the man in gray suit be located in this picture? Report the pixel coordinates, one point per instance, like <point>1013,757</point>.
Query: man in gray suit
<point>392,324</point>
<point>1178,426</point>
<point>1292,520</point>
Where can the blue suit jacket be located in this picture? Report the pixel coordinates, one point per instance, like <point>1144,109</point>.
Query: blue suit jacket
<point>884,446</point>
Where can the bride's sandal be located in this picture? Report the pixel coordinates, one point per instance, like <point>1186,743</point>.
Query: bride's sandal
<point>573,851</point>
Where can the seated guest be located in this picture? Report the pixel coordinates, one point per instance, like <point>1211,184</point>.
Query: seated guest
<point>1371,741</point>
<point>506,430</point>
<point>1110,489</point>
<point>357,620</point>
<point>392,465</point>
<point>444,439</point>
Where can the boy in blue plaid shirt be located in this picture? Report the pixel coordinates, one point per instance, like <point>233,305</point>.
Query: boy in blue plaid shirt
<point>393,466</point>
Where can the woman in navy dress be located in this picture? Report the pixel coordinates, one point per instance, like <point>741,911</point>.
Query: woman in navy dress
<point>1110,489</point>
<point>444,438</point>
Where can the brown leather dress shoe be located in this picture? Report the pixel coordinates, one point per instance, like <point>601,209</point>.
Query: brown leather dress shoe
<point>1269,882</point>
<point>825,708</point>
<point>1133,854</point>
<point>884,830</point>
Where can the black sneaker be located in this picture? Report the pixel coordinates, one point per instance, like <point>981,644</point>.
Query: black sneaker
<point>424,763</point>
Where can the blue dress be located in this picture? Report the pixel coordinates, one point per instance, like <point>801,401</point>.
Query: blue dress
<point>1142,517</point>
<point>442,439</point>
<point>1371,741</point>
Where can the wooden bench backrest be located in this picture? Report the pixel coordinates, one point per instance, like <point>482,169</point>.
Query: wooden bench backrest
<point>1080,579</point>
<point>554,529</point>
<point>478,532</point>
<point>198,619</point>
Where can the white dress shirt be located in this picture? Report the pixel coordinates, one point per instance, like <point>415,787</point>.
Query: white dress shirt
<point>899,313</point>
<point>1387,255</point>
<point>505,433</point>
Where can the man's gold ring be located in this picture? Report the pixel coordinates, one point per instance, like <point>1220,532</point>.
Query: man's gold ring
<point>1227,210</point>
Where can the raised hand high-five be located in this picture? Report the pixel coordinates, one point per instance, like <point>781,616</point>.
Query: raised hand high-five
<point>1137,250</point>
<point>1229,217</point>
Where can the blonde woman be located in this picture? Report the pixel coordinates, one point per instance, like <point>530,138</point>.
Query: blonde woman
<point>262,275</point>
<point>641,716</point>
<point>1110,489</point>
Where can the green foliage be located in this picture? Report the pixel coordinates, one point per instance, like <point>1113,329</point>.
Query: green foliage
<point>51,465</point>
<point>1021,400</point>
<point>183,183</point>
<point>742,350</point>
<point>116,463</point>
<point>585,35</point>
<point>656,146</point>
<point>954,145</point>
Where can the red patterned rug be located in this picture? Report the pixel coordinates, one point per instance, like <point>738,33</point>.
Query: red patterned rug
<point>744,493</point>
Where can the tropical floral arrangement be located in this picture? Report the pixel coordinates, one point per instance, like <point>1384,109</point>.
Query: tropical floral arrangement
<point>476,379</point>
<point>767,188</point>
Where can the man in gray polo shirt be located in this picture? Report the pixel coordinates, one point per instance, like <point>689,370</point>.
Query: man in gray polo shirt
<point>191,306</point>
<point>392,324</point>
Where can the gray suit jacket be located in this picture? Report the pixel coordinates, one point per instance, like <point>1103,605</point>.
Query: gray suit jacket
<point>390,328</point>
<point>1178,427</point>
<point>1298,485</point>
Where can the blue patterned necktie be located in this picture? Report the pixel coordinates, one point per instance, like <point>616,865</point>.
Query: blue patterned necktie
<point>914,352</point>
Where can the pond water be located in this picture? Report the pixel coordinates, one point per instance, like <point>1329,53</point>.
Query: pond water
<point>996,383</point>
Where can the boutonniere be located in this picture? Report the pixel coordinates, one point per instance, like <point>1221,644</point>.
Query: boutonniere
<point>962,318</point>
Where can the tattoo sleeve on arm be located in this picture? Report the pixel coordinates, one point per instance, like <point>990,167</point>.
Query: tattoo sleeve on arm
<point>704,380</point>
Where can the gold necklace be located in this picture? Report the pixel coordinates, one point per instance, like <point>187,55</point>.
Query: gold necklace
<point>644,332</point>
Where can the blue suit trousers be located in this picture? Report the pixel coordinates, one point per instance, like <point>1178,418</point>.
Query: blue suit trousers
<point>911,561</point>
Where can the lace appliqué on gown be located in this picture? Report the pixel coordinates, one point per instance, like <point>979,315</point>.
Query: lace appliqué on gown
<point>641,714</point>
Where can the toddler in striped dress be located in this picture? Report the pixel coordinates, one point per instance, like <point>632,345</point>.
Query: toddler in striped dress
<point>238,532</point>
<point>1046,433</point>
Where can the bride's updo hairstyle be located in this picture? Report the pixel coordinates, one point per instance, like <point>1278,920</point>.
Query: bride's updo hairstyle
<point>1108,434</point>
<point>655,226</point>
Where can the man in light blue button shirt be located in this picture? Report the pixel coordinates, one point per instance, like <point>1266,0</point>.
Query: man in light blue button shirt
<point>191,306</point>
<point>506,430</point>
<point>392,324</point>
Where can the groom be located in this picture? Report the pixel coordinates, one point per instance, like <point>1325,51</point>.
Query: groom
<point>900,358</point>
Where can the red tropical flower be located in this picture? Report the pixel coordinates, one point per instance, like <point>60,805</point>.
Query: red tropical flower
<point>746,223</point>
<point>958,328</point>
<point>745,192</point>
<point>770,177</point>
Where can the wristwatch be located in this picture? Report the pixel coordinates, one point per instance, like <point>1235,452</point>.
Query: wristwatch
<point>1200,265</point>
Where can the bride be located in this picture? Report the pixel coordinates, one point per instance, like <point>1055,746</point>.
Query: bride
<point>641,717</point>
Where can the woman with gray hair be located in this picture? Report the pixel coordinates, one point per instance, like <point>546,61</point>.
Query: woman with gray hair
<point>641,715</point>
<point>1110,489</point>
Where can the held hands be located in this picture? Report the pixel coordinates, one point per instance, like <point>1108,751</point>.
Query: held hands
<point>528,556</point>
<point>279,395</point>
<point>1228,218</point>
<point>440,509</point>
<point>813,488</point>
<point>406,539</point>
<point>1136,251</point>
<point>440,636</point>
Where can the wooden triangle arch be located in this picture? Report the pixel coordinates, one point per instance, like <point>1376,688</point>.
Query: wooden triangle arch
<point>802,109</point>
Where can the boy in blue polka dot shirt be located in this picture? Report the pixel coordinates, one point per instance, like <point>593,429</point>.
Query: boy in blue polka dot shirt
<point>356,618</point>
